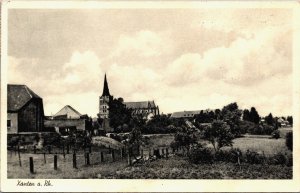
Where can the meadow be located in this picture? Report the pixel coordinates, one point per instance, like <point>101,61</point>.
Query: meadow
<point>175,167</point>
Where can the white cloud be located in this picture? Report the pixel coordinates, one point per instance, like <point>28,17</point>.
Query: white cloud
<point>18,71</point>
<point>82,67</point>
<point>244,62</point>
<point>128,80</point>
<point>143,43</point>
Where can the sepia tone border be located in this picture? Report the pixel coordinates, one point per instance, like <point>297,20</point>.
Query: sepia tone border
<point>96,185</point>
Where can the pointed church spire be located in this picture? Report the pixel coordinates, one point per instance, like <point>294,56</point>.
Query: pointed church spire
<point>105,87</point>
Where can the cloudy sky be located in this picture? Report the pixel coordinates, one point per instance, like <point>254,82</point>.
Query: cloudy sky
<point>184,59</point>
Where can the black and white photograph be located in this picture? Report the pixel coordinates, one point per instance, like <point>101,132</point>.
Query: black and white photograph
<point>192,92</point>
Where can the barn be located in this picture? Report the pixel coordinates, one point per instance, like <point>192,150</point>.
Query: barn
<point>25,111</point>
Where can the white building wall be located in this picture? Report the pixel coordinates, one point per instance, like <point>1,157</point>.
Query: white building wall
<point>13,117</point>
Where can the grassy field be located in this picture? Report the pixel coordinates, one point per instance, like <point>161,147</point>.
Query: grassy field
<point>173,168</point>
<point>179,168</point>
<point>266,145</point>
<point>65,166</point>
<point>284,131</point>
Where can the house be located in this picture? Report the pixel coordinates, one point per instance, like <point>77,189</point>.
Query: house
<point>68,119</point>
<point>25,111</point>
<point>189,114</point>
<point>184,114</point>
<point>283,122</point>
<point>67,112</point>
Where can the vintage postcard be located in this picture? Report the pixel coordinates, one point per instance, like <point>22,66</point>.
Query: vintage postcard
<point>150,96</point>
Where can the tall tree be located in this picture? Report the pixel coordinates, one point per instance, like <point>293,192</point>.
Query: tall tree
<point>246,115</point>
<point>118,113</point>
<point>269,119</point>
<point>254,116</point>
<point>219,134</point>
<point>232,116</point>
<point>218,114</point>
<point>290,120</point>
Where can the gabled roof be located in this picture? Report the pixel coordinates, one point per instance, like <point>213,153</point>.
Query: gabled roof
<point>69,112</point>
<point>140,104</point>
<point>18,96</point>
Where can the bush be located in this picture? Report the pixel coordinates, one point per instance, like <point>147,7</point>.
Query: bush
<point>248,127</point>
<point>279,159</point>
<point>253,157</point>
<point>201,155</point>
<point>228,156</point>
<point>275,134</point>
<point>289,140</point>
<point>289,160</point>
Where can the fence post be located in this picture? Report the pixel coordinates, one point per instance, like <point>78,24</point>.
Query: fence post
<point>90,149</point>
<point>49,149</point>
<point>55,162</point>
<point>31,165</point>
<point>68,148</point>
<point>113,155</point>
<point>167,152</point>
<point>34,149</point>
<point>19,156</point>
<point>101,157</point>
<point>129,159</point>
<point>44,157</point>
<point>142,153</point>
<point>74,161</point>
<point>162,151</point>
<point>87,157</point>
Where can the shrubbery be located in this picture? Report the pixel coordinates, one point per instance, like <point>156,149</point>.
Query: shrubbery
<point>231,155</point>
<point>275,134</point>
<point>202,154</point>
<point>289,140</point>
<point>253,157</point>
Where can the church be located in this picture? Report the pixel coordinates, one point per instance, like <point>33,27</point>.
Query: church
<point>147,109</point>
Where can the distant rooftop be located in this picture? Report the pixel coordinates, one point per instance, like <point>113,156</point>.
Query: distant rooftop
<point>140,104</point>
<point>69,112</point>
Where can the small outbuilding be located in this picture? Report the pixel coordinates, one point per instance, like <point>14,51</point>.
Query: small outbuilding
<point>25,111</point>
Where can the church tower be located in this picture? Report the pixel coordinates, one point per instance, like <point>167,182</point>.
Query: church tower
<point>104,101</point>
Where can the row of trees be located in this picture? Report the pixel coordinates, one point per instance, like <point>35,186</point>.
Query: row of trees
<point>239,121</point>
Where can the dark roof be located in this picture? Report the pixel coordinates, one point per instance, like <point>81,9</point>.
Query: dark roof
<point>139,105</point>
<point>105,88</point>
<point>18,96</point>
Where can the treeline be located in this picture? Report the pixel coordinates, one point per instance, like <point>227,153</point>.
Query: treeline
<point>240,121</point>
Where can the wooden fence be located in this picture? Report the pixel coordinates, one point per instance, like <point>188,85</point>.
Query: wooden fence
<point>90,156</point>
